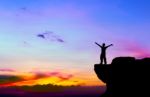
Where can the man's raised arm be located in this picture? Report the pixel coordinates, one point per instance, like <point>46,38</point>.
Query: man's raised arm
<point>98,44</point>
<point>109,45</point>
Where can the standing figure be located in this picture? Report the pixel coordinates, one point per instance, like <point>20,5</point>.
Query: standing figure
<point>103,52</point>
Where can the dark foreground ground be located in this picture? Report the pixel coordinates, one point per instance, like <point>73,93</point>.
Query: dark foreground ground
<point>125,76</point>
<point>65,92</point>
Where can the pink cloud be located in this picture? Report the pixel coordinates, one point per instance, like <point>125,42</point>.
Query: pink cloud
<point>136,49</point>
<point>60,75</point>
<point>6,70</point>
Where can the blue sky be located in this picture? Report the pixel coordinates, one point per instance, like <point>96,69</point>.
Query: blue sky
<point>79,23</point>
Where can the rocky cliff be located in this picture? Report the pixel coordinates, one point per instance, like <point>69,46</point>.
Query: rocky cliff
<point>125,76</point>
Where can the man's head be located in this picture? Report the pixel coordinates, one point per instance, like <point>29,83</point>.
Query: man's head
<point>103,44</point>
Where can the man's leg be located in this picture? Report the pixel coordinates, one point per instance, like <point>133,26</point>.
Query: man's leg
<point>101,58</point>
<point>105,60</point>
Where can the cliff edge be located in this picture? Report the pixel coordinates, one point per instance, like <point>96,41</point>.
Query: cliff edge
<point>125,76</point>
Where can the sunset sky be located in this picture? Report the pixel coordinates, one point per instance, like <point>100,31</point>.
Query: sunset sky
<point>52,41</point>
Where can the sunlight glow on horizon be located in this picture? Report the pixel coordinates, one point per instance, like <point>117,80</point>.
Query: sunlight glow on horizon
<point>43,78</point>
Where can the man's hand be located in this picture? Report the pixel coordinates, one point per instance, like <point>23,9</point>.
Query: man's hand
<point>98,44</point>
<point>109,45</point>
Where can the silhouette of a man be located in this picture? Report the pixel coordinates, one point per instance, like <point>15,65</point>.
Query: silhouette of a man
<point>103,52</point>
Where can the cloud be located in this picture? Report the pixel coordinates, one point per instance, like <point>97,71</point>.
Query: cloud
<point>60,40</point>
<point>25,44</point>
<point>136,49</point>
<point>51,36</point>
<point>60,75</point>
<point>5,79</point>
<point>24,8</point>
<point>32,78</point>
<point>6,70</point>
<point>65,77</point>
<point>38,74</point>
<point>41,36</point>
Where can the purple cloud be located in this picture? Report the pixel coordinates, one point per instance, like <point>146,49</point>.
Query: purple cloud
<point>48,35</point>
<point>41,36</point>
<point>26,44</point>
<point>60,40</point>
<point>23,8</point>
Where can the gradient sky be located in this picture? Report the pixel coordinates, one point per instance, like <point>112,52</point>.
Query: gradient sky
<point>68,50</point>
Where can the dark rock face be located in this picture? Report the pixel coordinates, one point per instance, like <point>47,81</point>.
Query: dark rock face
<point>125,76</point>
<point>104,73</point>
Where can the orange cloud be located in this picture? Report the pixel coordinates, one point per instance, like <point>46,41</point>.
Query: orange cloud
<point>54,78</point>
<point>8,79</point>
<point>34,78</point>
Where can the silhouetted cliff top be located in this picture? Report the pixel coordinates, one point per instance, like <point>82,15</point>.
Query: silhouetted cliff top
<point>127,75</point>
